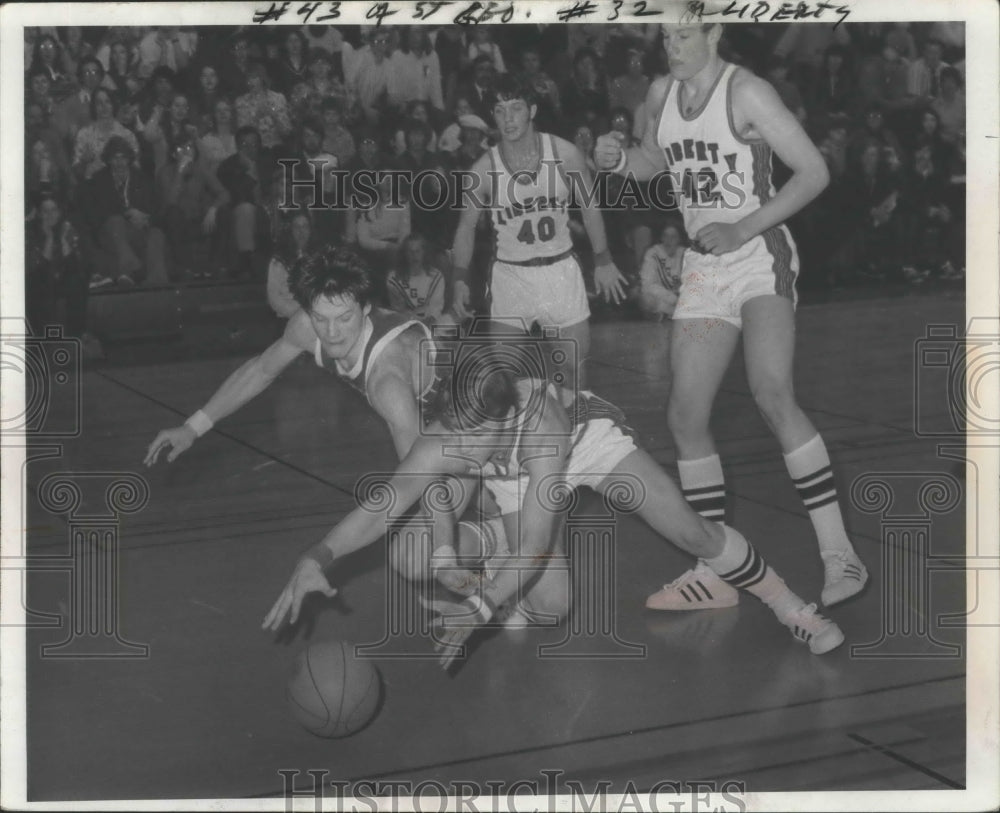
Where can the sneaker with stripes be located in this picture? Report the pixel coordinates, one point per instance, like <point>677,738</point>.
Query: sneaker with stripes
<point>844,576</point>
<point>809,627</point>
<point>698,589</point>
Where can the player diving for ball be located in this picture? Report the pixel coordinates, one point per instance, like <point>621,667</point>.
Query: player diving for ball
<point>527,183</point>
<point>716,128</point>
<point>375,351</point>
<point>516,434</point>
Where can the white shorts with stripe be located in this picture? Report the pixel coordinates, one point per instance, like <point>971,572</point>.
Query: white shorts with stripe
<point>553,295</point>
<point>599,448</point>
<point>718,287</point>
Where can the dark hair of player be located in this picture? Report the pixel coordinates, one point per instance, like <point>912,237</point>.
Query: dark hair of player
<point>330,271</point>
<point>512,86</point>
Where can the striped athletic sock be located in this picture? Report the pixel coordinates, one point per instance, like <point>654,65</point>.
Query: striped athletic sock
<point>810,468</point>
<point>704,486</point>
<point>740,565</point>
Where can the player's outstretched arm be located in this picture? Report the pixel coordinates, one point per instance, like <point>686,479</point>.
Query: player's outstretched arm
<point>608,280</point>
<point>424,464</point>
<point>472,202</point>
<point>251,379</point>
<point>644,160</point>
<point>759,111</point>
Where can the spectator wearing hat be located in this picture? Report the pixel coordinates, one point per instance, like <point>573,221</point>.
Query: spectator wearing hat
<point>91,139</point>
<point>466,136</point>
<point>121,205</point>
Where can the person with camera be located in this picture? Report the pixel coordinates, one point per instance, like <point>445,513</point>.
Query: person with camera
<point>493,420</point>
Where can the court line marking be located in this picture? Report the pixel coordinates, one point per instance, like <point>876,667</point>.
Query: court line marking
<point>636,731</point>
<point>885,751</point>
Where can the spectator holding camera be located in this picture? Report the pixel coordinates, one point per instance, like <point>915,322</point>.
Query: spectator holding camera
<point>189,199</point>
<point>121,205</point>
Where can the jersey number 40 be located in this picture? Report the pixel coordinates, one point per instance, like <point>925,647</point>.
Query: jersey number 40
<point>546,230</point>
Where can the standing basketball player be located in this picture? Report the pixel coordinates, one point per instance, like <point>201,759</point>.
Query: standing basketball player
<point>527,181</point>
<point>376,352</point>
<point>716,126</point>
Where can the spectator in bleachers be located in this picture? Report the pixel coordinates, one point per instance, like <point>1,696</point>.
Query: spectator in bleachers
<point>263,108</point>
<point>419,157</point>
<point>874,129</point>
<point>418,69</point>
<point>420,112</point>
<point>368,81</point>
<point>73,112</point>
<point>43,173</point>
<point>206,95</point>
<point>91,139</point>
<point>188,199</point>
<point>122,72</point>
<point>952,36</point>
<point>950,106</point>
<point>247,177</point>
<point>585,96</point>
<point>925,73</point>
<point>482,44</point>
<point>549,106</point>
<point>126,35</point>
<point>452,137</point>
<point>54,271</point>
<point>165,127</point>
<point>833,89</point>
<point>583,138</point>
<point>660,273</point>
<point>296,239</point>
<point>931,226</point>
<point>48,58</point>
<point>313,162</point>
<point>415,287</point>
<point>927,132</point>
<point>884,80</point>
<point>382,228</point>
<point>166,47</point>
<point>449,45</point>
<point>805,45</point>
<point>834,146</point>
<point>479,90</point>
<point>321,85</point>
<point>39,92</point>
<point>369,158</point>
<point>38,127</point>
<point>121,205</point>
<point>75,48</point>
<point>629,89</point>
<point>220,141</point>
<point>235,69</point>
<point>900,38</point>
<point>337,139</point>
<point>158,93</point>
<point>330,40</point>
<point>291,67</point>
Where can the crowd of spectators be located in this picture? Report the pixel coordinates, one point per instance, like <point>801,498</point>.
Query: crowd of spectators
<point>152,153</point>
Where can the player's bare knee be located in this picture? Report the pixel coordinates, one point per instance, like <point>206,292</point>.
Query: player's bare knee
<point>700,537</point>
<point>776,401</point>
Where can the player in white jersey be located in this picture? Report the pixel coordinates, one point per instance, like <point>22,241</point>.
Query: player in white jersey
<point>527,183</point>
<point>715,129</point>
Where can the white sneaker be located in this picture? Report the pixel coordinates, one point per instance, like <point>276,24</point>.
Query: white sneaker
<point>809,627</point>
<point>698,589</point>
<point>845,576</point>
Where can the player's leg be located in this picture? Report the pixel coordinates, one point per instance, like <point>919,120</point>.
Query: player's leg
<point>560,301</point>
<point>544,594</point>
<point>724,551</point>
<point>769,347</point>
<point>700,352</point>
<point>569,369</point>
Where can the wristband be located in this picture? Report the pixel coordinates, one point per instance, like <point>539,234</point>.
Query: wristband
<point>602,258</point>
<point>480,606</point>
<point>199,422</point>
<point>320,554</point>
<point>621,163</point>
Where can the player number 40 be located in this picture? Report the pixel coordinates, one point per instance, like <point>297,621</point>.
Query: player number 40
<point>546,231</point>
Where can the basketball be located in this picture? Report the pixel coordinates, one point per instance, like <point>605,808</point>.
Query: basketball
<point>331,693</point>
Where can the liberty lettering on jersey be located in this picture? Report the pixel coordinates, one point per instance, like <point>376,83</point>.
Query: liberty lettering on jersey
<point>701,186</point>
<point>520,208</point>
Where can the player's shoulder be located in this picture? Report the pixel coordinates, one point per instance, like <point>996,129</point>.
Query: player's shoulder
<point>657,93</point>
<point>748,88</point>
<point>299,331</point>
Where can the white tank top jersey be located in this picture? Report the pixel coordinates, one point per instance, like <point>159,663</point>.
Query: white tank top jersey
<point>530,220</point>
<point>718,177</point>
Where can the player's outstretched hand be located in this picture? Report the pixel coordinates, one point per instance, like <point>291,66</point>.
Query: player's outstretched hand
<point>460,580</point>
<point>608,150</point>
<point>178,439</point>
<point>720,238</point>
<point>610,283</point>
<point>307,578</point>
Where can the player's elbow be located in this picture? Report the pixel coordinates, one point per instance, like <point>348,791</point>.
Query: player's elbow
<point>819,176</point>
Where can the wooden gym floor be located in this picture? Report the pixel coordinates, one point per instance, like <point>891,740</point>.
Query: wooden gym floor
<point>724,695</point>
